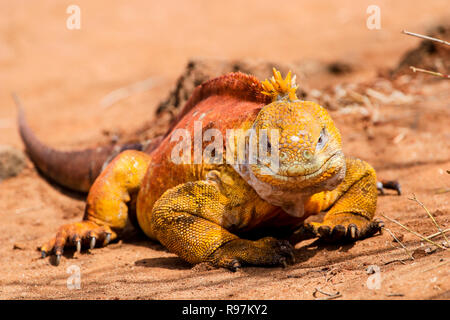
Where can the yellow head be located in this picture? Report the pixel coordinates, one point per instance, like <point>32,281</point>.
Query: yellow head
<point>308,147</point>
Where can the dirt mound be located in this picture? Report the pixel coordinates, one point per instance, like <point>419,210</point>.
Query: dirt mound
<point>200,70</point>
<point>427,55</point>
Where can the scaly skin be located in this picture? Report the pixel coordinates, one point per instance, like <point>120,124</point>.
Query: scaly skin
<point>207,212</point>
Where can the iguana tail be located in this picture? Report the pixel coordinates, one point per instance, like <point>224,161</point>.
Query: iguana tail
<point>75,170</point>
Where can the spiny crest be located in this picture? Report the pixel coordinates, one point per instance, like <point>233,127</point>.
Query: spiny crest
<point>278,88</point>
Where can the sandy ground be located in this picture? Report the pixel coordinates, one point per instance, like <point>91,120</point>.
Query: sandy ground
<point>62,75</point>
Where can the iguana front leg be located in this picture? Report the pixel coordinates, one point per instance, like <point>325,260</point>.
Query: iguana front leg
<point>191,219</point>
<point>106,212</point>
<point>350,207</point>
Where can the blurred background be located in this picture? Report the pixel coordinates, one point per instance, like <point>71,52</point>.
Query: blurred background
<point>62,75</point>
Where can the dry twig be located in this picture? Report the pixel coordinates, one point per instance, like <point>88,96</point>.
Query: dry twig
<point>430,215</point>
<point>395,238</point>
<point>434,73</point>
<point>426,37</point>
<point>402,261</point>
<point>434,235</point>
<point>329,296</point>
<point>414,233</point>
<point>395,295</point>
<point>442,190</point>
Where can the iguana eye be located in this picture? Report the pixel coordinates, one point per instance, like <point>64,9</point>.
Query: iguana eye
<point>323,139</point>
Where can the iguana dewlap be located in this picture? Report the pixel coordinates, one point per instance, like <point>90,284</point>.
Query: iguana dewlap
<point>203,212</point>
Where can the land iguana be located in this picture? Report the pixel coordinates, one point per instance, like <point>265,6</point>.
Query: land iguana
<point>227,213</point>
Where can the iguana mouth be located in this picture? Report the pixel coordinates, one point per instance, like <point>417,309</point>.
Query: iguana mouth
<point>306,176</point>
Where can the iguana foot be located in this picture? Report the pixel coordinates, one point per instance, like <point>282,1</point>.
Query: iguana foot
<point>340,229</point>
<point>392,185</point>
<point>78,234</point>
<point>263,252</point>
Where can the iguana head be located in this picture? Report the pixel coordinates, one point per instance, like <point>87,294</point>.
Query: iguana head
<point>308,145</point>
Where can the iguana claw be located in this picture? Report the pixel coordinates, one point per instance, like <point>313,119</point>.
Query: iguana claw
<point>57,259</point>
<point>92,243</point>
<point>353,231</point>
<point>337,233</point>
<point>107,238</point>
<point>235,266</point>
<point>76,235</point>
<point>283,262</point>
<point>78,244</point>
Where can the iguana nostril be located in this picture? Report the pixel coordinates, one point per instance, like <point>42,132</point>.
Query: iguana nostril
<point>283,156</point>
<point>307,154</point>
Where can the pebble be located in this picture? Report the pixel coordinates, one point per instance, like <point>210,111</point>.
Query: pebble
<point>12,162</point>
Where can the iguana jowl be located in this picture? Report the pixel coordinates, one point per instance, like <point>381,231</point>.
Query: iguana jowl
<point>203,212</point>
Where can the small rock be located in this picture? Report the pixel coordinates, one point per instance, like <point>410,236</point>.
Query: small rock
<point>18,246</point>
<point>12,162</point>
<point>339,68</point>
<point>423,251</point>
<point>430,250</point>
<point>418,253</point>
